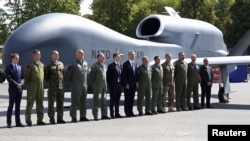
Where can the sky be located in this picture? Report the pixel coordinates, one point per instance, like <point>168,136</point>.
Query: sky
<point>84,6</point>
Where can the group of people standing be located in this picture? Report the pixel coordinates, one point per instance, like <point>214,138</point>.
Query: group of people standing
<point>176,81</point>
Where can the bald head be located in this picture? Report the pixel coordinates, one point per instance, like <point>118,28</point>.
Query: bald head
<point>54,55</point>
<point>79,54</point>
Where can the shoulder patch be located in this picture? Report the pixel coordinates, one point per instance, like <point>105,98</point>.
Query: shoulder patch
<point>70,67</point>
<point>28,66</point>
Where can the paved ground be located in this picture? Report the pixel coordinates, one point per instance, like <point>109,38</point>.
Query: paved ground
<point>177,126</point>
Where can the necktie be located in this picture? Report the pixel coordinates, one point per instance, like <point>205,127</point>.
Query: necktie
<point>133,66</point>
<point>118,68</point>
<point>15,67</point>
<point>119,71</point>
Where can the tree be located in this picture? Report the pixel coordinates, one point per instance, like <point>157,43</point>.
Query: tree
<point>4,28</point>
<point>240,21</point>
<point>198,9</point>
<point>223,20</point>
<point>20,11</point>
<point>33,8</point>
<point>124,15</point>
<point>112,13</point>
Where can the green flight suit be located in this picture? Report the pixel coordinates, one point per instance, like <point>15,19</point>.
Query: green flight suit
<point>168,85</point>
<point>180,76</point>
<point>156,81</point>
<point>144,88</point>
<point>77,75</point>
<point>98,77</point>
<point>33,80</point>
<point>54,72</point>
<point>193,85</point>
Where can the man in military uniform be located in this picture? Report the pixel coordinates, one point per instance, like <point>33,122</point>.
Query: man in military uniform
<point>77,75</point>
<point>144,86</point>
<point>33,80</point>
<point>193,83</point>
<point>156,81</point>
<point>54,72</point>
<point>168,84</point>
<point>98,77</point>
<point>180,76</point>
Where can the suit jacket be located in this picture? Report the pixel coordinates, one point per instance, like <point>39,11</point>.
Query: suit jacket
<point>113,74</point>
<point>128,75</point>
<point>14,77</point>
<point>205,76</point>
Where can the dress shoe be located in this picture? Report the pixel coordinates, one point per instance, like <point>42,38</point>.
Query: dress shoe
<point>52,121</point>
<point>140,114</point>
<point>184,109</point>
<point>41,123</point>
<point>149,113</point>
<point>105,117</point>
<point>210,107</point>
<point>84,119</point>
<point>29,123</point>
<point>74,120</point>
<point>9,126</point>
<point>19,125</point>
<point>133,115</point>
<point>61,121</point>
<point>118,116</point>
<point>96,119</point>
<point>196,108</point>
<point>154,112</point>
<point>112,116</point>
<point>171,109</point>
<point>179,109</point>
<point>190,108</point>
<point>161,111</point>
<point>128,115</point>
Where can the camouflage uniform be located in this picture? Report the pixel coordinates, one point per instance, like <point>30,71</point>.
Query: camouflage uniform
<point>54,72</point>
<point>168,86</point>
<point>33,80</point>
<point>77,74</point>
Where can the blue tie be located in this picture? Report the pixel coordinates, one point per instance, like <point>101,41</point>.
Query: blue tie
<point>15,67</point>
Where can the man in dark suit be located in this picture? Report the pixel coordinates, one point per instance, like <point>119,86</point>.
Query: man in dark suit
<point>114,83</point>
<point>206,75</point>
<point>129,80</point>
<point>14,76</point>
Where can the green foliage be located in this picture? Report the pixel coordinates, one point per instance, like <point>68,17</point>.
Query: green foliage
<point>20,11</point>
<point>124,15</point>
<point>4,29</point>
<point>198,9</point>
<point>240,21</point>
